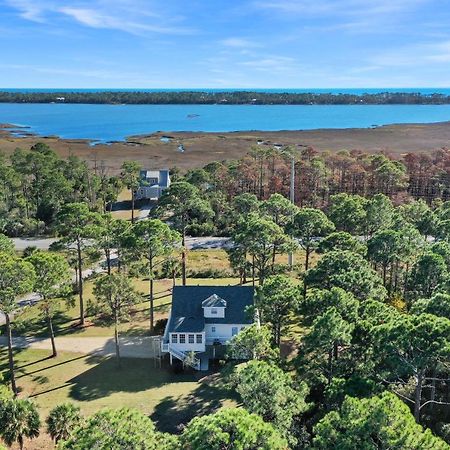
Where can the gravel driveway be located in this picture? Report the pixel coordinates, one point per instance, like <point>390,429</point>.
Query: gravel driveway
<point>130,346</point>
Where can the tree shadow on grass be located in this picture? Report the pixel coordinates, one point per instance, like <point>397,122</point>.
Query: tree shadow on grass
<point>174,412</point>
<point>136,375</point>
<point>37,326</point>
<point>4,365</point>
<point>24,373</point>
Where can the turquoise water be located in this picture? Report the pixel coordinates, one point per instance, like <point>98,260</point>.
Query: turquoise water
<point>115,122</point>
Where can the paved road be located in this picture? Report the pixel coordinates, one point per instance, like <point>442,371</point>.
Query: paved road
<point>192,243</point>
<point>42,244</point>
<point>144,211</point>
<point>208,242</point>
<point>130,346</point>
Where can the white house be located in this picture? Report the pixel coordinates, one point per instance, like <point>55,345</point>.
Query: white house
<point>203,318</point>
<point>152,184</point>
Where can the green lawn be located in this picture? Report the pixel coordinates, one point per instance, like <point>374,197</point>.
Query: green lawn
<point>96,382</point>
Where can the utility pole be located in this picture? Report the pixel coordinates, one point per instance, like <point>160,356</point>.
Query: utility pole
<point>292,198</point>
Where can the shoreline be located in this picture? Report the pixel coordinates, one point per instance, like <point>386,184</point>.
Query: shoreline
<point>11,128</point>
<point>229,97</point>
<point>162,148</point>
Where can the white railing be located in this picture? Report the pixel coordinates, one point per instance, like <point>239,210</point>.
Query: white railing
<point>184,357</point>
<point>221,339</point>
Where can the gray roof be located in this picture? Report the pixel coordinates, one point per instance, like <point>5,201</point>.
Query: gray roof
<point>185,324</point>
<point>187,311</point>
<point>162,175</point>
<point>214,301</point>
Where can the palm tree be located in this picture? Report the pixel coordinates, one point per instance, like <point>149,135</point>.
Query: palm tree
<point>19,419</point>
<point>62,420</point>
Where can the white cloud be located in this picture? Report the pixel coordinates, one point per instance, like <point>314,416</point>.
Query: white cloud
<point>87,17</point>
<point>348,16</point>
<point>414,55</point>
<point>28,9</point>
<point>337,7</point>
<point>130,16</point>
<point>272,64</point>
<point>237,42</point>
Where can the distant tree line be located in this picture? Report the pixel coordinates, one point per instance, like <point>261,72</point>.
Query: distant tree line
<point>226,98</point>
<point>319,175</point>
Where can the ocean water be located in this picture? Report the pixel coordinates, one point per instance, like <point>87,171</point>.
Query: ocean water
<point>115,122</point>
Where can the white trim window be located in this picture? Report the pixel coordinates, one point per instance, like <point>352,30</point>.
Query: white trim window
<point>182,339</point>
<point>174,338</point>
<point>213,311</point>
<point>199,338</point>
<point>191,338</point>
<point>213,329</point>
<point>234,331</point>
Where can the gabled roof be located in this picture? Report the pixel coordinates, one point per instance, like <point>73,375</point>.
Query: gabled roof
<point>214,301</point>
<point>162,175</point>
<point>187,313</point>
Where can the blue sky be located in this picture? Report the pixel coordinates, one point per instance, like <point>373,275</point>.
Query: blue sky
<point>224,43</point>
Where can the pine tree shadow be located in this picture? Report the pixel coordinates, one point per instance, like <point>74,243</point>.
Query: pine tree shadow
<point>173,413</point>
<point>135,375</point>
<point>37,326</point>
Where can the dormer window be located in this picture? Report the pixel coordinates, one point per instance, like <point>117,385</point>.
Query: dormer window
<point>214,306</point>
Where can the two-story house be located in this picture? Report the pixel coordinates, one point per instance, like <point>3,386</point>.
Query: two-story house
<point>203,318</point>
<point>152,184</point>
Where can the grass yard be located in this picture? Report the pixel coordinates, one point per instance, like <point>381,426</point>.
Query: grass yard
<point>124,214</point>
<point>96,382</point>
<point>124,196</point>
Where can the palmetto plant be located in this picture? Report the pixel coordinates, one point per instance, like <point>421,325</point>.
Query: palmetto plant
<point>62,420</point>
<point>19,419</point>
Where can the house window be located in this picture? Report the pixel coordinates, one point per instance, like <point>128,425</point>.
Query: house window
<point>191,338</point>
<point>213,311</point>
<point>199,338</point>
<point>174,339</point>
<point>152,180</point>
<point>182,338</point>
<point>213,329</point>
<point>234,331</point>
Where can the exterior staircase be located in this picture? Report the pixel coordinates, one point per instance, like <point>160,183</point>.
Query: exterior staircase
<point>184,357</point>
